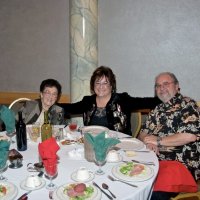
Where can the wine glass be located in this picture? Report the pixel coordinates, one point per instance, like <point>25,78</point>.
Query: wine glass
<point>3,165</point>
<point>76,137</point>
<point>10,135</point>
<point>51,172</point>
<point>73,124</point>
<point>100,160</point>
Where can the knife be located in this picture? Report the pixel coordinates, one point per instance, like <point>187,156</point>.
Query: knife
<point>144,162</point>
<point>24,196</point>
<point>102,191</point>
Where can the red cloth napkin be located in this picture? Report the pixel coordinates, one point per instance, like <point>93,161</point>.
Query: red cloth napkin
<point>173,176</point>
<point>47,151</point>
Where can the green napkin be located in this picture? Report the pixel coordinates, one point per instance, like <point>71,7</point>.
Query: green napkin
<point>8,118</point>
<point>4,149</point>
<point>101,144</point>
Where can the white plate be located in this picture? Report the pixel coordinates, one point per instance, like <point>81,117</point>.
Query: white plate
<point>140,177</point>
<point>130,144</point>
<point>23,186</point>
<point>74,177</point>
<point>59,195</point>
<point>12,191</point>
<point>94,129</point>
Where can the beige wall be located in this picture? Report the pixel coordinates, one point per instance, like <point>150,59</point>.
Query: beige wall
<point>34,44</point>
<point>141,38</point>
<point>137,38</point>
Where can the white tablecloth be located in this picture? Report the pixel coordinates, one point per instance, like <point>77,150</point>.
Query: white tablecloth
<point>67,165</point>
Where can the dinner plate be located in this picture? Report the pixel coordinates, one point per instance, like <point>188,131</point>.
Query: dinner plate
<point>94,129</point>
<point>74,177</point>
<point>145,175</point>
<point>23,186</point>
<point>130,144</point>
<point>59,195</point>
<point>12,191</point>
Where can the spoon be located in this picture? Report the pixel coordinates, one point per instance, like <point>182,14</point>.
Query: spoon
<point>105,186</point>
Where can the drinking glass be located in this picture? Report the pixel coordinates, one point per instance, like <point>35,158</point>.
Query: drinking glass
<point>73,124</point>
<point>76,137</point>
<point>3,165</point>
<point>58,133</point>
<point>100,161</point>
<point>35,133</point>
<point>51,172</point>
<point>2,169</point>
<point>10,135</point>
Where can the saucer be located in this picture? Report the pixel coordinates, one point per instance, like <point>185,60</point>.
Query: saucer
<point>74,177</point>
<point>116,161</point>
<point>23,186</point>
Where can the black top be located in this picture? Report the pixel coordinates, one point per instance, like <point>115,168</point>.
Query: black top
<point>118,109</point>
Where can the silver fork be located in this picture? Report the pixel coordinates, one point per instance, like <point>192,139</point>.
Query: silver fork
<point>113,179</point>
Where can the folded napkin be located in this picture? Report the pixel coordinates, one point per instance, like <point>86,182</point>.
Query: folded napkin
<point>47,151</point>
<point>173,176</point>
<point>4,149</point>
<point>8,118</point>
<point>101,144</point>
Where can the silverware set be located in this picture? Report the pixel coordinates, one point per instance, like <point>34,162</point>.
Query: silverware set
<point>109,197</point>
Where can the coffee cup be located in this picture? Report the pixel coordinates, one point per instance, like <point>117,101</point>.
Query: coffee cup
<point>113,156</point>
<point>32,181</point>
<point>82,174</point>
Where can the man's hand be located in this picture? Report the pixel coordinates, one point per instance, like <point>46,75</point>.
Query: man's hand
<point>151,139</point>
<point>153,147</point>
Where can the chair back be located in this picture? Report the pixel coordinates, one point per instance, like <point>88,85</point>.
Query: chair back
<point>187,196</point>
<point>136,122</point>
<point>17,104</point>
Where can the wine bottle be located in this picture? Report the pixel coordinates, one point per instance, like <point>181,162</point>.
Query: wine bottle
<point>21,134</point>
<point>46,129</point>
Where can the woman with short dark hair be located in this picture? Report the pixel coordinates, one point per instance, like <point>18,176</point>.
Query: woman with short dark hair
<point>106,107</point>
<point>33,111</point>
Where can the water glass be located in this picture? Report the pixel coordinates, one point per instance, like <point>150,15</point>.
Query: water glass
<point>51,171</point>
<point>100,162</point>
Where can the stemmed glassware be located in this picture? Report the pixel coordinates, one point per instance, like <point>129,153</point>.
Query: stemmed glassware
<point>51,171</point>
<point>10,135</point>
<point>73,125</point>
<point>76,136</point>
<point>100,160</point>
<point>3,165</point>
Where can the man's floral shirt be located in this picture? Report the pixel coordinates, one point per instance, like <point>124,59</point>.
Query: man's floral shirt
<point>179,115</point>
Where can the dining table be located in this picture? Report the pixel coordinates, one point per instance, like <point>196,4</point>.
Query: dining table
<point>71,159</point>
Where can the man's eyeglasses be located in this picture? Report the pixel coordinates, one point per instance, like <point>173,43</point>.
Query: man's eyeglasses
<point>104,84</point>
<point>164,85</point>
<point>48,94</point>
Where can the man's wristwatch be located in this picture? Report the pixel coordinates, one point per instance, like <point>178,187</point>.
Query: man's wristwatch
<point>159,139</point>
